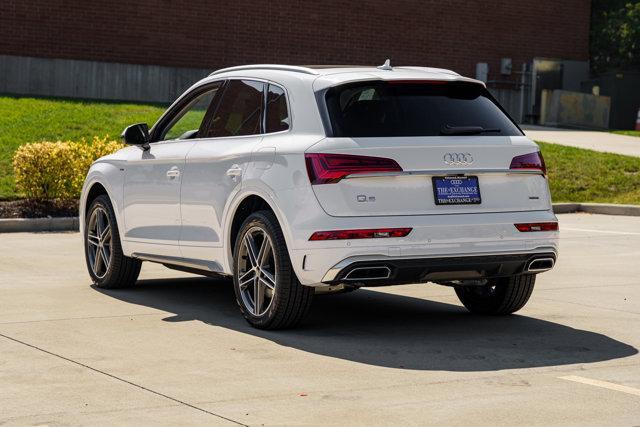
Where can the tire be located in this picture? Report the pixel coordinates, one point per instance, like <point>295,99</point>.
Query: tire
<point>119,271</point>
<point>282,302</point>
<point>498,297</point>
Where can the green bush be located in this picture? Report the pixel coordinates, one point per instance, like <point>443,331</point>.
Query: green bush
<point>56,170</point>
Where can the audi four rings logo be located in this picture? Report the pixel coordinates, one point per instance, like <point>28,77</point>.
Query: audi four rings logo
<point>458,159</point>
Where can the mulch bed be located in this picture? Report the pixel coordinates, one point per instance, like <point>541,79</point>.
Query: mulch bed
<point>38,208</point>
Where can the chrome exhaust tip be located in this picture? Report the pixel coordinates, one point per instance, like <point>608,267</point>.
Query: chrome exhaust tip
<point>540,264</point>
<point>368,273</point>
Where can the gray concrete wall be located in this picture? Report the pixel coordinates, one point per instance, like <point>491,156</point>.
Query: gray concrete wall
<point>20,75</point>
<point>574,109</point>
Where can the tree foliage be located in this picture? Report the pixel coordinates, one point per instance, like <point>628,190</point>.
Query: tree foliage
<point>615,35</point>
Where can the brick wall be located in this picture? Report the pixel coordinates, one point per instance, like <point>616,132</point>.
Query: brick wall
<point>452,34</point>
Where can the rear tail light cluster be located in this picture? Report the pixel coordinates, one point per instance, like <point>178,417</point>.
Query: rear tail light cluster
<point>331,168</point>
<point>537,226</point>
<point>371,233</point>
<point>529,161</point>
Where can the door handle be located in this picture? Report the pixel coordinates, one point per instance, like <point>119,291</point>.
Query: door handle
<point>173,173</point>
<point>234,170</point>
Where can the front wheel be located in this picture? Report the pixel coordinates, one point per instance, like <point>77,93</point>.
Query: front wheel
<point>267,289</point>
<point>498,296</point>
<point>107,265</point>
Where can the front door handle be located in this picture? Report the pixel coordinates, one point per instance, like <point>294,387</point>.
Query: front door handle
<point>173,173</point>
<point>234,170</point>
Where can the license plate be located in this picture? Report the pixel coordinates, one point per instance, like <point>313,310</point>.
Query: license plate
<point>456,190</point>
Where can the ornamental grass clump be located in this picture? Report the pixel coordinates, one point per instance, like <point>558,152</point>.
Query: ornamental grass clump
<point>56,170</point>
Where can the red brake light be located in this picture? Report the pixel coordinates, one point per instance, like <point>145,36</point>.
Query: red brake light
<point>529,161</point>
<point>537,226</point>
<point>331,168</point>
<point>372,233</point>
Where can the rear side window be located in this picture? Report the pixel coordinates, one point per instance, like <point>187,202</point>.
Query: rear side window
<point>240,110</point>
<point>277,118</point>
<point>395,109</point>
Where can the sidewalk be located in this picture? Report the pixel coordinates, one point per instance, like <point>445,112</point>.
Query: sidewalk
<point>591,140</point>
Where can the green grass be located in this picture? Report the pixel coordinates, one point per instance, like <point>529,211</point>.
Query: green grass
<point>577,175</point>
<point>627,132</point>
<point>24,120</point>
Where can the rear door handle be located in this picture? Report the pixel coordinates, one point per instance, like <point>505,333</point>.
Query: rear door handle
<point>173,173</point>
<point>234,170</point>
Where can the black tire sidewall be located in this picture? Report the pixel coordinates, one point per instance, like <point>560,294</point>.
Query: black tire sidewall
<point>116,251</point>
<point>284,272</point>
<point>511,294</point>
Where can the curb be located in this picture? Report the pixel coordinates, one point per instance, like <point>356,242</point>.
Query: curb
<point>597,208</point>
<point>29,225</point>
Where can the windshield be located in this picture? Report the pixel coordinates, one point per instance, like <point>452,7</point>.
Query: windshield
<point>394,109</point>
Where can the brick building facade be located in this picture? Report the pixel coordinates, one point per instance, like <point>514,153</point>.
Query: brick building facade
<point>211,34</point>
<point>207,34</point>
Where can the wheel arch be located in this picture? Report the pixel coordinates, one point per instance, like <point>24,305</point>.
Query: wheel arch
<point>243,206</point>
<point>103,178</point>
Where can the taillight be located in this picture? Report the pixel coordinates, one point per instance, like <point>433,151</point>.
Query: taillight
<point>371,233</point>
<point>331,168</point>
<point>537,226</point>
<point>529,161</point>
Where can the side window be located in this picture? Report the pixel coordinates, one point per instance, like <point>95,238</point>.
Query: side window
<point>186,124</point>
<point>277,115</point>
<point>240,110</point>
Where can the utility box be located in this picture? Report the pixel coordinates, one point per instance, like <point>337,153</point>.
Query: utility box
<point>482,71</point>
<point>505,66</point>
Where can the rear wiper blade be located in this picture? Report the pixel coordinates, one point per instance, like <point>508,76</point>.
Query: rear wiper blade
<point>465,130</point>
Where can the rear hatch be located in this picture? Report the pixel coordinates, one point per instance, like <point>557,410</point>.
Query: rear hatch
<point>420,148</point>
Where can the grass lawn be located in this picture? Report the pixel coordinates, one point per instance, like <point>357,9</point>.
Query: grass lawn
<point>577,175</point>
<point>25,120</point>
<point>627,132</point>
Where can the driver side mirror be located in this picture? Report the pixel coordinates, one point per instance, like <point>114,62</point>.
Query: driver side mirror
<point>137,134</point>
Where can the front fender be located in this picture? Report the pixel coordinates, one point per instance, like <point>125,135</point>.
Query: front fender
<point>111,177</point>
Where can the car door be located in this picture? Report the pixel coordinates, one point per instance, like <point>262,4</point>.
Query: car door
<point>153,176</point>
<point>216,164</point>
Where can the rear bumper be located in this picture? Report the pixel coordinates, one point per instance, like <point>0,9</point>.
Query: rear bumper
<point>382,271</point>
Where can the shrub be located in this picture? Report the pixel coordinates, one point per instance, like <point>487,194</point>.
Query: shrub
<point>56,170</point>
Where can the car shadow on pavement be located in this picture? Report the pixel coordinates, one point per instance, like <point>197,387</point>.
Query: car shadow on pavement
<point>389,330</point>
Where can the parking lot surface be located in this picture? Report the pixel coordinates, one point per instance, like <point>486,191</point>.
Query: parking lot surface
<point>175,350</point>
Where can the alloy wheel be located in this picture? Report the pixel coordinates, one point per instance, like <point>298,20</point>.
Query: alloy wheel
<point>257,271</point>
<point>99,242</point>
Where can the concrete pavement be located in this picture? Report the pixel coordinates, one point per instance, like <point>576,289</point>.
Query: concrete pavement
<point>175,350</point>
<point>591,140</point>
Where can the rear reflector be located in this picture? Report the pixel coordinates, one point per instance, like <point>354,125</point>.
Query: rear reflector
<point>372,233</point>
<point>529,161</point>
<point>537,226</point>
<point>331,168</point>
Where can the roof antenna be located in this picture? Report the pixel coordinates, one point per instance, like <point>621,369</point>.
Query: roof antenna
<point>386,66</point>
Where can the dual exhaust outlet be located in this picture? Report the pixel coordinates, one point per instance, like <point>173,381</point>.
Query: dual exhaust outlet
<point>382,272</point>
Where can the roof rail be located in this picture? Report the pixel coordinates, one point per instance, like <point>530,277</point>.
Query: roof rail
<point>429,70</point>
<point>292,68</point>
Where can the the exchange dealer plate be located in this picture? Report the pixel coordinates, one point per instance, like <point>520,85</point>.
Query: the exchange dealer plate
<point>456,190</point>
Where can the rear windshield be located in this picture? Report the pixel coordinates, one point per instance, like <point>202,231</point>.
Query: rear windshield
<point>393,109</point>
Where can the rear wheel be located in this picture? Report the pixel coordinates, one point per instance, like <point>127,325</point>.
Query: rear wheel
<point>107,265</point>
<point>499,296</point>
<point>267,289</point>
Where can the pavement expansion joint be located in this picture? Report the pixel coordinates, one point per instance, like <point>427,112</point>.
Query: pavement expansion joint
<point>157,393</point>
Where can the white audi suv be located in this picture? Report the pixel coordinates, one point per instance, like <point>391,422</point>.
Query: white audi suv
<point>300,180</point>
